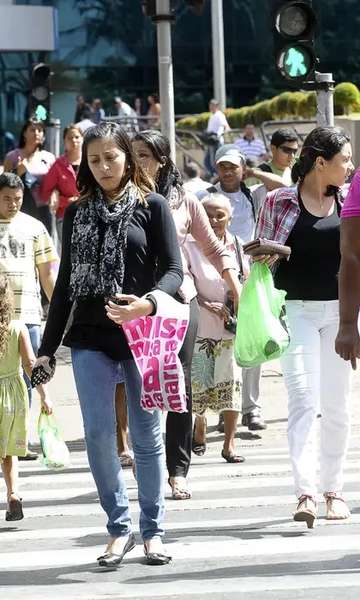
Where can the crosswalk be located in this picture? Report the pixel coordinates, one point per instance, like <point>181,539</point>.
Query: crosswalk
<point>235,537</point>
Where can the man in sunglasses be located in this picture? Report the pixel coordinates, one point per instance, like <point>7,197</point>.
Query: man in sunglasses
<point>284,146</point>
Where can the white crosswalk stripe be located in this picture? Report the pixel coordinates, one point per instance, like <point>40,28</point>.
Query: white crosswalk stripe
<point>236,533</point>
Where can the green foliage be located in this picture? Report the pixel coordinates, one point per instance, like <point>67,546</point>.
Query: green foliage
<point>288,105</point>
<point>346,98</point>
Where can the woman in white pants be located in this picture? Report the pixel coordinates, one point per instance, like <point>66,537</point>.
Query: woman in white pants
<point>307,218</point>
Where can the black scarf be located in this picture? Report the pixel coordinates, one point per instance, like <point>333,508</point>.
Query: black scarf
<point>97,261</point>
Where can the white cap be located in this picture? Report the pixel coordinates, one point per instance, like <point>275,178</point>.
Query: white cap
<point>229,153</point>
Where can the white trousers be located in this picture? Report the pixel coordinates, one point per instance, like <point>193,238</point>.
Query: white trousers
<point>317,381</point>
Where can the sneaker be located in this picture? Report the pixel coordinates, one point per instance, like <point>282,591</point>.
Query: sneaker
<point>306,511</point>
<point>253,422</point>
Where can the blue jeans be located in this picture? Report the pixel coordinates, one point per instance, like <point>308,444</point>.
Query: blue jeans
<point>35,332</point>
<point>96,377</point>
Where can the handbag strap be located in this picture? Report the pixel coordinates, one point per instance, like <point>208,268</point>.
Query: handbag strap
<point>239,255</point>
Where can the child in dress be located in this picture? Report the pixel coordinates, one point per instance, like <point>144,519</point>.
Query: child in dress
<point>15,351</point>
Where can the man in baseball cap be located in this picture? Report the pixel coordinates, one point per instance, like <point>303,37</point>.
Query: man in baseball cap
<point>230,153</point>
<point>230,166</point>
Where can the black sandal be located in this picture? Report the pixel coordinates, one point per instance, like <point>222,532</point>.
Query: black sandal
<point>156,558</point>
<point>15,511</point>
<point>198,448</point>
<point>232,458</point>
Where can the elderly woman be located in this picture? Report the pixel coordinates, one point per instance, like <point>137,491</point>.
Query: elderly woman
<point>153,150</point>
<point>216,378</point>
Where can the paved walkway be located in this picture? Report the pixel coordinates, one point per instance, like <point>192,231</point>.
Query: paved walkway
<point>234,539</point>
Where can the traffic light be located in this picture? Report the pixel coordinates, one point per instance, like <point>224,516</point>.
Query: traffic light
<point>294,31</point>
<point>40,95</point>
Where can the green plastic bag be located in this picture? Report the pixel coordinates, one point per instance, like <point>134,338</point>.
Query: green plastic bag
<point>55,452</point>
<point>262,331</point>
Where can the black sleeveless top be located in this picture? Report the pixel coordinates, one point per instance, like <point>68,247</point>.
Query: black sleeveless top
<point>312,271</point>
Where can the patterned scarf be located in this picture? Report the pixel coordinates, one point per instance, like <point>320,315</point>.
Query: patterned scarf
<point>97,257</point>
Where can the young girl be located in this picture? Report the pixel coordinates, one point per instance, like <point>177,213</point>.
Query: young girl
<point>15,349</point>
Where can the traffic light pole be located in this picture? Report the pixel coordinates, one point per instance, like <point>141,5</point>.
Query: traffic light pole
<point>53,131</point>
<point>217,28</point>
<point>163,21</point>
<point>324,86</point>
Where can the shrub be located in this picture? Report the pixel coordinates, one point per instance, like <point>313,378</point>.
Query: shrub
<point>346,97</point>
<point>285,105</point>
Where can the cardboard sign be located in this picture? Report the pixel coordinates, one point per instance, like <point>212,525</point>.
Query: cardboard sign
<point>155,343</point>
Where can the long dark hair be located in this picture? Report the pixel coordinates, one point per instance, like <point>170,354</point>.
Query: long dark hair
<point>85,180</point>
<point>321,141</point>
<point>6,308</point>
<point>169,176</point>
<point>28,123</point>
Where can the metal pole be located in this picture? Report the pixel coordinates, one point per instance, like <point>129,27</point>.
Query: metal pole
<point>217,29</point>
<point>325,99</point>
<point>53,136</point>
<point>166,85</point>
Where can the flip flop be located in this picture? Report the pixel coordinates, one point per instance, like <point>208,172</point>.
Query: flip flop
<point>198,448</point>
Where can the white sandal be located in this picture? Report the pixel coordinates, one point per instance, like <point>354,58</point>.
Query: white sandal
<point>336,507</point>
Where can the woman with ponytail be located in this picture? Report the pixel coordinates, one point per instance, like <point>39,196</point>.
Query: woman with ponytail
<point>153,151</point>
<point>306,217</point>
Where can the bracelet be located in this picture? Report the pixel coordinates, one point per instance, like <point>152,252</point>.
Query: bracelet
<point>150,298</point>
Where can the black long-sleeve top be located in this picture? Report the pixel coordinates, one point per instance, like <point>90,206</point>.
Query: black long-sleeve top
<point>152,261</point>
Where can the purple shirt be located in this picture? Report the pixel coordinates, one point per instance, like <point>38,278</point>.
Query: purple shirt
<point>351,206</point>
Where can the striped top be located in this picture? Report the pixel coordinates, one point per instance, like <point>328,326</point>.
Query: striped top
<point>253,149</point>
<point>25,244</point>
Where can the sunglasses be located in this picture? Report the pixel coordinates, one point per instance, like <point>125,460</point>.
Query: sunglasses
<point>288,150</point>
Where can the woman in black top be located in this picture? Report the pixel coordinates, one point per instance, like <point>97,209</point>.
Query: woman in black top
<point>307,218</point>
<point>116,238</point>
<point>153,151</point>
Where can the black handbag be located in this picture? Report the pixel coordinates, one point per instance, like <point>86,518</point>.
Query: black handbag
<point>231,322</point>
<point>209,139</point>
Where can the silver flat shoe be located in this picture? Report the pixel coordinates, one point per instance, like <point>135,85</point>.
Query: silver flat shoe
<point>112,559</point>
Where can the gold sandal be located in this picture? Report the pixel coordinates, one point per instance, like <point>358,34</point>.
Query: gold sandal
<point>306,511</point>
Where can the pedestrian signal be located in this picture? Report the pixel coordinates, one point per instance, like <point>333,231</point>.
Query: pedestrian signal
<point>40,94</point>
<point>294,30</point>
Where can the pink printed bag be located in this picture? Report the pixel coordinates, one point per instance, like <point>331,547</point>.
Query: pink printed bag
<point>155,343</point>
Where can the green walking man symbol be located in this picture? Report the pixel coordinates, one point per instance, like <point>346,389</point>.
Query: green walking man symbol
<point>295,61</point>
